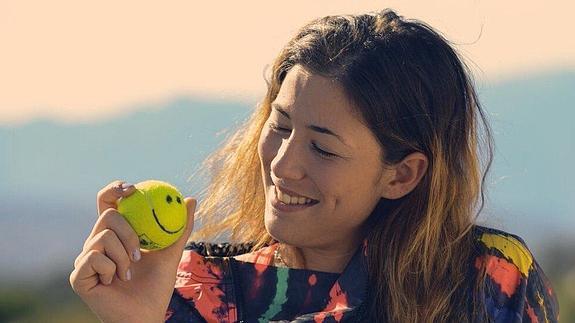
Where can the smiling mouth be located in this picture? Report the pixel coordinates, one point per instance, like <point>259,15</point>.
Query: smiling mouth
<point>162,227</point>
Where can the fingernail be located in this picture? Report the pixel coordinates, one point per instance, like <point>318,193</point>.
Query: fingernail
<point>128,275</point>
<point>126,186</point>
<point>136,255</point>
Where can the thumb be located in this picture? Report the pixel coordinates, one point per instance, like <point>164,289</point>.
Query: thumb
<point>178,246</point>
<point>191,207</point>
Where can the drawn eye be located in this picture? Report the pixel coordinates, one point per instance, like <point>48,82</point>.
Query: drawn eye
<point>178,200</point>
<point>169,199</point>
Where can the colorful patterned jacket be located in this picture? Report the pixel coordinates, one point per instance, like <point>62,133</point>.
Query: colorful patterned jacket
<point>224,289</point>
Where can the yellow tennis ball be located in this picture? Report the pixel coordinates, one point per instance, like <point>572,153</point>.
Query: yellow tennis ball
<point>157,212</point>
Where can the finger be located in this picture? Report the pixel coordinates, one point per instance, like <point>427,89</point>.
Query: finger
<point>109,195</point>
<point>108,243</point>
<point>113,220</point>
<point>92,264</point>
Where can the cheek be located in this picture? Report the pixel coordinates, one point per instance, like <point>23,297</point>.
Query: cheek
<point>268,147</point>
<point>350,196</point>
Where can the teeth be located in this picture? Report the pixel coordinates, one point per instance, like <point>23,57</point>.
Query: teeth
<point>287,199</point>
<point>293,200</point>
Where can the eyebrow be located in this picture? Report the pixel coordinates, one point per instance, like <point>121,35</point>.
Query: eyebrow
<point>311,126</point>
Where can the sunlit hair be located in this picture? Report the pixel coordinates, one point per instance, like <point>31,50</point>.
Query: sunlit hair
<point>412,90</point>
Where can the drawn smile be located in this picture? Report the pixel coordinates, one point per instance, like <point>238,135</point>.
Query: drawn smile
<point>162,227</point>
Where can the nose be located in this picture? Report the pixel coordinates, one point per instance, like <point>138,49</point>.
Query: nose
<point>288,162</point>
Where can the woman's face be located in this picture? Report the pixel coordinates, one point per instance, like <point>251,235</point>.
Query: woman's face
<point>345,186</point>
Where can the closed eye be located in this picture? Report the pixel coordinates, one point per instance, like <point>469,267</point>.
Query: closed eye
<point>320,151</point>
<point>277,128</point>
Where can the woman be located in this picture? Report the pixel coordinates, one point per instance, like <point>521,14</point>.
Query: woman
<point>367,145</point>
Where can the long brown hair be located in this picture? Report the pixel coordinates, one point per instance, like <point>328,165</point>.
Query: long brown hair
<point>414,92</point>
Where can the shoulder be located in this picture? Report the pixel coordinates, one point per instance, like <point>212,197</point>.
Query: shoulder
<point>203,262</point>
<point>516,287</point>
<point>496,244</point>
<point>204,284</point>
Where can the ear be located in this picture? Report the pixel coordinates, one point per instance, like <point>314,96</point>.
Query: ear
<point>403,177</point>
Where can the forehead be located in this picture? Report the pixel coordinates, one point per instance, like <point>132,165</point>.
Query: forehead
<point>318,100</point>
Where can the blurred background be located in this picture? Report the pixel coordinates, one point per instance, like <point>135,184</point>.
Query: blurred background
<point>91,92</point>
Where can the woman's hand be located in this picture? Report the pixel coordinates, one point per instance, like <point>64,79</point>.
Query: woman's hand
<point>113,277</point>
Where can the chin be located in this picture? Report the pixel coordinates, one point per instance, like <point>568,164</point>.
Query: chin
<point>272,225</point>
<point>285,231</point>
<point>278,228</point>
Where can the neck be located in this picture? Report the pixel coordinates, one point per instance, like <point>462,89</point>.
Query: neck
<point>333,260</point>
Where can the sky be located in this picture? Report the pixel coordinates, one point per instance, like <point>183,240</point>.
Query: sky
<point>80,61</point>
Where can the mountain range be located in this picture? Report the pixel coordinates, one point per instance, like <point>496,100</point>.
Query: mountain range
<point>50,172</point>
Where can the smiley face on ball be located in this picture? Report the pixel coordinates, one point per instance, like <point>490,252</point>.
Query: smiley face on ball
<point>166,201</point>
<point>156,212</point>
